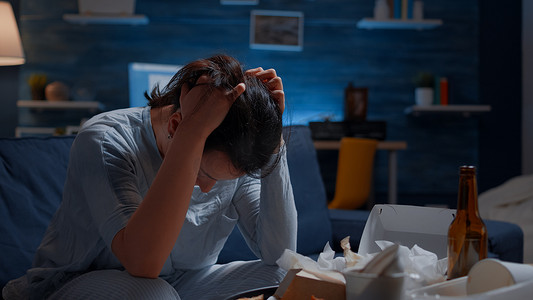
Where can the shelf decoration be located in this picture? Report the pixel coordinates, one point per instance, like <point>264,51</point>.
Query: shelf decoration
<point>32,125</point>
<point>424,88</point>
<point>37,82</point>
<point>57,91</point>
<point>398,14</point>
<point>106,12</point>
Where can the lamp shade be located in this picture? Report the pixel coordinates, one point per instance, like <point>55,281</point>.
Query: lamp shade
<point>10,44</point>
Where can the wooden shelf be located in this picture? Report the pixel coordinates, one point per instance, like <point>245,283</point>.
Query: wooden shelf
<point>33,131</point>
<point>464,110</point>
<point>369,23</point>
<point>106,19</point>
<point>44,104</point>
<point>21,131</point>
<point>44,118</point>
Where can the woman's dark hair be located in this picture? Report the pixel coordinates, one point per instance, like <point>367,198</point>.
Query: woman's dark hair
<point>251,131</point>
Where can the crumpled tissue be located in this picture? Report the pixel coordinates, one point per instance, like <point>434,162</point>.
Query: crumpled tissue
<point>421,267</point>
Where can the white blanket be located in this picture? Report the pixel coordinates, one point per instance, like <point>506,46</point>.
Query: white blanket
<point>512,202</point>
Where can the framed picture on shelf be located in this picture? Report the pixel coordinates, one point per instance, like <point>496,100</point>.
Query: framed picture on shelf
<point>276,30</point>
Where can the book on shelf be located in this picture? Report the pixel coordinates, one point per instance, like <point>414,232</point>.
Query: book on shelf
<point>443,89</point>
<point>390,3</point>
<point>398,9</point>
<point>402,9</point>
<point>436,88</point>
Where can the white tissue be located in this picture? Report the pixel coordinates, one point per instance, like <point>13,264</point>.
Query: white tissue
<point>292,260</point>
<point>328,261</point>
<point>421,267</point>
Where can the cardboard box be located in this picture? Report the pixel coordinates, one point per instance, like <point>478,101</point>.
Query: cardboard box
<point>301,285</point>
<point>407,225</point>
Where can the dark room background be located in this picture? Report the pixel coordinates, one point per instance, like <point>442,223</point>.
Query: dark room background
<point>477,48</point>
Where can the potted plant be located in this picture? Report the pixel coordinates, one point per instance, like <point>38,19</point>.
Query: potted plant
<point>424,88</point>
<point>37,82</point>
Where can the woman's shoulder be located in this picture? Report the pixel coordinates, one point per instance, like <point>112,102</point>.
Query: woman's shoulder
<point>121,126</point>
<point>125,117</point>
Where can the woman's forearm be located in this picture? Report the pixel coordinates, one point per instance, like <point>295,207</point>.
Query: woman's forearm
<point>147,240</point>
<point>277,224</point>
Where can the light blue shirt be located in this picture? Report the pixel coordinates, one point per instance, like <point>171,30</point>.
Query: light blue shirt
<point>113,161</point>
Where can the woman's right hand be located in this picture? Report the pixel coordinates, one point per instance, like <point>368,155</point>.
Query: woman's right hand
<point>205,105</point>
<point>273,82</point>
<point>145,243</point>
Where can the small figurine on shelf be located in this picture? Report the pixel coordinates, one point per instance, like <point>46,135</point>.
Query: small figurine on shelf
<point>355,103</point>
<point>37,82</point>
<point>381,10</point>
<point>57,91</point>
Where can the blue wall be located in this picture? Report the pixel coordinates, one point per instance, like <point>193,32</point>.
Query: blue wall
<point>336,52</point>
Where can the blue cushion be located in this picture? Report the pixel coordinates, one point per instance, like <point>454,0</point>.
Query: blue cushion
<point>506,240</point>
<point>235,249</point>
<point>347,223</point>
<point>32,175</point>
<point>314,226</point>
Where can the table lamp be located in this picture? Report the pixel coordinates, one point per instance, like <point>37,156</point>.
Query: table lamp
<point>11,52</point>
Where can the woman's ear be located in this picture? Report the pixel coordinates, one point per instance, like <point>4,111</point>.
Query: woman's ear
<point>173,122</point>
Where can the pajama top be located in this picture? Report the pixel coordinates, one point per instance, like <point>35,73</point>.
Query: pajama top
<point>113,161</point>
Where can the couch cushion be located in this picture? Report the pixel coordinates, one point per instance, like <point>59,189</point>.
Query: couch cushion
<point>314,227</point>
<point>506,240</point>
<point>32,175</point>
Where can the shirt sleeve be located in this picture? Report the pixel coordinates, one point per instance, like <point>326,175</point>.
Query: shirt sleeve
<point>107,181</point>
<point>267,213</point>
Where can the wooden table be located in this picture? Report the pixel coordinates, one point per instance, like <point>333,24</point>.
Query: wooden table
<point>391,146</point>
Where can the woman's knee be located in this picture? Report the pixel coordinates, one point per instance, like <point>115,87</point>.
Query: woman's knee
<point>114,284</point>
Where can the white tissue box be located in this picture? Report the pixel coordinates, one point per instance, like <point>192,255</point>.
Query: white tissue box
<point>407,225</point>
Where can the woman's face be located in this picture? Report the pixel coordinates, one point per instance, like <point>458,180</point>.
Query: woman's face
<point>215,166</point>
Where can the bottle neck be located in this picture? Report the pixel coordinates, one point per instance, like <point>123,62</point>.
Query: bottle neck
<point>467,198</point>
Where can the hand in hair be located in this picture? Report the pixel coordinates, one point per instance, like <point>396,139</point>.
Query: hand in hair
<point>274,83</point>
<point>207,105</point>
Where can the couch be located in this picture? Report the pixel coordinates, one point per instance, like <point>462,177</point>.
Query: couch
<point>33,170</point>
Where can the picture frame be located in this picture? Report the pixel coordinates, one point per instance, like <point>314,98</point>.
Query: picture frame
<point>276,30</point>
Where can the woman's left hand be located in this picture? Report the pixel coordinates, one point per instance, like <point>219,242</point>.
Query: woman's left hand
<point>273,82</point>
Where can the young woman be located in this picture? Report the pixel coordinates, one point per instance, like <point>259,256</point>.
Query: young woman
<point>152,194</point>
